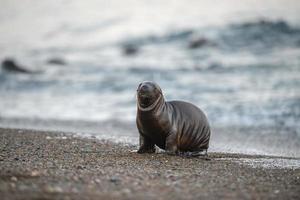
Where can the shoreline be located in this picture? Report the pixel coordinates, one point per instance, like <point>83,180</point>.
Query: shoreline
<point>58,165</point>
<point>250,140</point>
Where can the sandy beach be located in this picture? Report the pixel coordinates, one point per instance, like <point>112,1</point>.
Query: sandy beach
<point>70,75</point>
<point>55,165</point>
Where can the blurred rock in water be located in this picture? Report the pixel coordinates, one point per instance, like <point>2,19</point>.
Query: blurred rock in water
<point>11,66</point>
<point>56,61</point>
<point>130,49</point>
<point>198,42</point>
<point>280,25</point>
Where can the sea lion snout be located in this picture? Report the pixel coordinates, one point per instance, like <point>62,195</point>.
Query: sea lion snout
<point>144,89</point>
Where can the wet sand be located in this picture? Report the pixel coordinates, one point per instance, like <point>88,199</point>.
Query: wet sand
<point>54,165</point>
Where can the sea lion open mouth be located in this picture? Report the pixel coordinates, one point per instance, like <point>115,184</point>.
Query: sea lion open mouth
<point>145,101</point>
<point>148,95</point>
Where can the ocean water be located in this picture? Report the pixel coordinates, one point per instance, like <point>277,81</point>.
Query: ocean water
<point>239,61</point>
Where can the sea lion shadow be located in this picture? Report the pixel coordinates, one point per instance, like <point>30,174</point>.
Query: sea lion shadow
<point>189,155</point>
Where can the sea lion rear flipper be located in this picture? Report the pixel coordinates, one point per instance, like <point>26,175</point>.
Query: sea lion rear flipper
<point>202,154</point>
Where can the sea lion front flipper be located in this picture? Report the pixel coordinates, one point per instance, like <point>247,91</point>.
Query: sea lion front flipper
<point>146,145</point>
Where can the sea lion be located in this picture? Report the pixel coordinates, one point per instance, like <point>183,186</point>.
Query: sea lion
<point>178,127</point>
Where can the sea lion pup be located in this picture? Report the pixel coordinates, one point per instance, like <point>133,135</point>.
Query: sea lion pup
<point>178,127</point>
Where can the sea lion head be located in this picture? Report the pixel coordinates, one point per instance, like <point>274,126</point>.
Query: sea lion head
<point>148,94</point>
